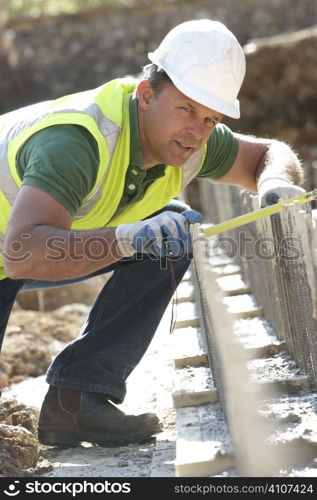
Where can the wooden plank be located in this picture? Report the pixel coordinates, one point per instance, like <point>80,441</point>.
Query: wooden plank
<point>227,270</point>
<point>186,315</point>
<point>184,292</point>
<point>242,306</point>
<point>232,285</point>
<point>193,386</point>
<point>199,452</point>
<point>289,386</point>
<point>189,347</point>
<point>265,350</point>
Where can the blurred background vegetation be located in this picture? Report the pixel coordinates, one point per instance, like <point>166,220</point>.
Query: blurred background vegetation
<point>38,8</point>
<point>51,48</point>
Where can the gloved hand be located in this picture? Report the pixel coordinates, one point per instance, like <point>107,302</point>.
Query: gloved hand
<point>166,234</point>
<point>274,189</point>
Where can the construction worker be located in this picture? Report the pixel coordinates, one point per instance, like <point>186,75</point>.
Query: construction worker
<point>89,185</point>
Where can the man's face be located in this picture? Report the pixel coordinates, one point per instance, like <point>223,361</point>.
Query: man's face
<point>172,126</point>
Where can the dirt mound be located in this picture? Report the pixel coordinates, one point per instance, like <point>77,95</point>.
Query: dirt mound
<point>33,338</point>
<point>278,95</point>
<point>18,438</point>
<point>41,323</point>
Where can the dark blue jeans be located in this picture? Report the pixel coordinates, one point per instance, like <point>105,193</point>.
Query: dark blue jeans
<point>119,327</point>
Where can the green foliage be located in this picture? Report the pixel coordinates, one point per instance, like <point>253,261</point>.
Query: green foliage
<point>37,8</point>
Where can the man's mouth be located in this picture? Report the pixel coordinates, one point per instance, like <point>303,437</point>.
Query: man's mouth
<point>184,147</point>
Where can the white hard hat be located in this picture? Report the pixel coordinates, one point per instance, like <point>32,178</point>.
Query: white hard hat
<point>205,62</point>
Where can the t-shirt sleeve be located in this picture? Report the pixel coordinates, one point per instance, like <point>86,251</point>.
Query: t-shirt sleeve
<point>63,161</point>
<point>222,149</point>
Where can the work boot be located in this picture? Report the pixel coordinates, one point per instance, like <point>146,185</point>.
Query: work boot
<point>68,417</point>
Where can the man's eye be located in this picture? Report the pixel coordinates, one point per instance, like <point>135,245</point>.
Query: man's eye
<point>185,108</point>
<point>211,122</point>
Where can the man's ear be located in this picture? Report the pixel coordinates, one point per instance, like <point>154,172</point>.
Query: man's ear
<point>145,94</point>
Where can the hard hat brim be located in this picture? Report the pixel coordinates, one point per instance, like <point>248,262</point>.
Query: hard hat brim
<point>200,95</point>
<point>206,99</point>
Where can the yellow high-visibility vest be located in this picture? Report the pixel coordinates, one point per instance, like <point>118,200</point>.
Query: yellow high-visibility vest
<point>104,111</point>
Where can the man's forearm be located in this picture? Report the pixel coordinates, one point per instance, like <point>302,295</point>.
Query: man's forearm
<point>50,253</point>
<point>280,161</point>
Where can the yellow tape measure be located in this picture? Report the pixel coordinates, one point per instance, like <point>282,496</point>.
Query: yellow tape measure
<point>258,214</point>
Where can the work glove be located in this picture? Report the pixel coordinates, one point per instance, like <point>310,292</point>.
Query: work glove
<point>274,189</point>
<point>164,235</point>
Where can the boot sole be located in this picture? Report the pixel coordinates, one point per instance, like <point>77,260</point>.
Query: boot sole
<point>63,439</point>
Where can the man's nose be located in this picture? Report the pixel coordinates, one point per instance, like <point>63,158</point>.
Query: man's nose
<point>196,129</point>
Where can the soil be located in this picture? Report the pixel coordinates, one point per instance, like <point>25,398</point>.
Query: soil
<point>33,338</point>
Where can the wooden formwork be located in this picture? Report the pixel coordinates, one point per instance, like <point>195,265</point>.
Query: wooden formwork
<point>278,261</point>
<point>272,291</point>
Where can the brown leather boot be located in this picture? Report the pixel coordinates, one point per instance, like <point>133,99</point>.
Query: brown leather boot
<point>68,417</point>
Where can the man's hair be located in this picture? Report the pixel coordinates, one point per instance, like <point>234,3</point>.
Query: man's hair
<point>157,77</point>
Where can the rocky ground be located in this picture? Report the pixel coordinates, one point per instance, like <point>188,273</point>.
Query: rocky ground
<point>33,338</point>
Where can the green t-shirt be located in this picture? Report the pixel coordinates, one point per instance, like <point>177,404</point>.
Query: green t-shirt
<point>63,161</point>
